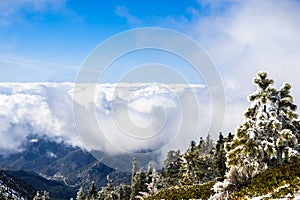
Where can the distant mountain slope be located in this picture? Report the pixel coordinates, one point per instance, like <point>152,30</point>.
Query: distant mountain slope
<point>15,188</point>
<point>62,163</point>
<point>57,190</point>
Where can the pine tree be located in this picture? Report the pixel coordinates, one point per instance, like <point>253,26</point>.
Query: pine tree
<point>268,136</point>
<point>124,191</point>
<point>171,157</point>
<point>171,173</point>
<point>201,146</point>
<point>208,145</point>
<point>80,194</point>
<point>108,193</point>
<point>92,193</point>
<point>220,157</point>
<point>191,166</point>
<point>38,196</point>
<point>134,182</point>
<point>149,173</point>
<point>46,196</point>
<point>138,182</point>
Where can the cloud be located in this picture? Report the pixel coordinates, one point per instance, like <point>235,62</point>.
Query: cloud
<point>130,117</point>
<point>124,12</point>
<point>243,37</point>
<point>10,10</point>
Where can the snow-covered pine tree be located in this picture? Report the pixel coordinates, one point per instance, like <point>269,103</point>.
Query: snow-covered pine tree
<point>124,191</point>
<point>191,166</point>
<point>171,157</point>
<point>268,136</point>
<point>134,181</point>
<point>208,145</point>
<point>108,193</point>
<point>149,173</point>
<point>138,182</point>
<point>288,124</point>
<point>46,196</point>
<point>38,196</point>
<point>171,173</point>
<point>80,194</point>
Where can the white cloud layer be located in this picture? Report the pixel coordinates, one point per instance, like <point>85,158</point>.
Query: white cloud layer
<point>135,116</point>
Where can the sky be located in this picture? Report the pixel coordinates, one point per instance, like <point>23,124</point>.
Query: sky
<point>49,41</point>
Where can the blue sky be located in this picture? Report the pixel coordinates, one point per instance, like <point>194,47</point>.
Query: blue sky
<point>48,40</point>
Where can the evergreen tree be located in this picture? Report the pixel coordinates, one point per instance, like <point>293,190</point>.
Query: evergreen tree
<point>80,194</point>
<point>171,157</point>
<point>268,136</point>
<point>92,193</point>
<point>139,180</point>
<point>108,193</point>
<point>220,157</point>
<point>191,166</point>
<point>38,196</point>
<point>153,182</point>
<point>208,145</point>
<point>124,191</point>
<point>134,182</point>
<point>46,196</point>
<point>171,173</point>
<point>149,174</point>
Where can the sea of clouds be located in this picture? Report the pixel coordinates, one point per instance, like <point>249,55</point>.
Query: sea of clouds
<point>129,117</point>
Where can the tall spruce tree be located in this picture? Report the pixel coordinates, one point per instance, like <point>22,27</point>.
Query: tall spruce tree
<point>268,136</point>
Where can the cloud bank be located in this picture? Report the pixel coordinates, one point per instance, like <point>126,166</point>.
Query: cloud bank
<point>131,117</point>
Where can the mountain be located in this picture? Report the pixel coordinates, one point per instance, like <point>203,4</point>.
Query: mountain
<point>57,190</point>
<point>11,187</point>
<point>42,161</point>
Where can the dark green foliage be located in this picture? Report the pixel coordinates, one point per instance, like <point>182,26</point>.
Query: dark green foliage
<point>171,173</point>
<point>191,166</point>
<point>271,179</point>
<point>200,191</point>
<point>92,193</point>
<point>124,191</point>
<point>220,157</point>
